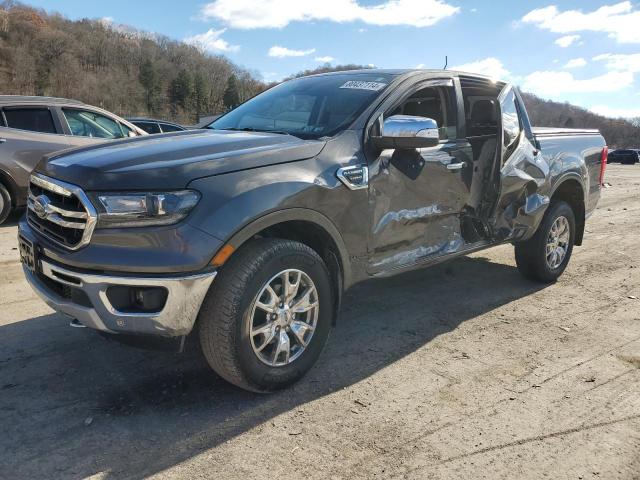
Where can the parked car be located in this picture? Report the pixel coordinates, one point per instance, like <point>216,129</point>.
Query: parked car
<point>152,126</point>
<point>248,234</point>
<point>33,126</point>
<point>626,156</point>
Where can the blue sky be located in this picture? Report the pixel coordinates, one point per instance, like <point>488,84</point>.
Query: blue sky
<point>586,52</point>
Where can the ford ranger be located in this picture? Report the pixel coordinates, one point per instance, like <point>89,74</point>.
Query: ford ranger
<point>248,233</point>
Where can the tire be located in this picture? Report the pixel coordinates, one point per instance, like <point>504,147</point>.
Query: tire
<point>5,203</point>
<point>230,312</point>
<point>531,256</point>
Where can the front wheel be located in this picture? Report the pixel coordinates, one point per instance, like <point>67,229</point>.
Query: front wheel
<point>545,256</point>
<point>268,315</point>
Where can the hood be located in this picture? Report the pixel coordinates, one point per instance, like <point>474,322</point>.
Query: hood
<point>171,161</point>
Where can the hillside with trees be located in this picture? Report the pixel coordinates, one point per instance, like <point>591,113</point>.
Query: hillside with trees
<point>134,73</point>
<point>122,70</point>
<point>618,133</point>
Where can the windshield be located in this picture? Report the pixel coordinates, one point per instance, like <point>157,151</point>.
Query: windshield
<point>310,107</point>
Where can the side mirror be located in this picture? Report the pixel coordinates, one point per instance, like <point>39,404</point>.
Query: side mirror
<point>407,132</point>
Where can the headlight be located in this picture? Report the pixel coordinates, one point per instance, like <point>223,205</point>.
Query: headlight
<point>136,209</point>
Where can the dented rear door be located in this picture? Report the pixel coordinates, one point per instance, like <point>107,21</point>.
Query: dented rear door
<point>524,174</point>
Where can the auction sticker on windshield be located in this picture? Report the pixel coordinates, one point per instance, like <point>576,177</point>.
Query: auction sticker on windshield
<point>359,85</point>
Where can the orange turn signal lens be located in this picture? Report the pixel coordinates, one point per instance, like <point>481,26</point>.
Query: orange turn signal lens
<point>223,255</point>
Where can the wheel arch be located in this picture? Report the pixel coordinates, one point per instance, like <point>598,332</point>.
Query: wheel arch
<point>311,228</point>
<point>10,184</point>
<point>571,190</point>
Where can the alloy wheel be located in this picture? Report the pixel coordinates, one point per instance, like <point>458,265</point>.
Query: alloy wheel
<point>284,316</point>
<point>557,242</point>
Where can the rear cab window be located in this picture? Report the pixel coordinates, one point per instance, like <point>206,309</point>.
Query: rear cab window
<point>33,119</point>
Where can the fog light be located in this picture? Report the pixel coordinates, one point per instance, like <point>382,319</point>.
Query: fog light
<point>137,299</point>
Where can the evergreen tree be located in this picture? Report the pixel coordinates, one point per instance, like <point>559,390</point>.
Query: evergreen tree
<point>200,93</point>
<point>151,82</point>
<point>181,90</point>
<point>231,97</point>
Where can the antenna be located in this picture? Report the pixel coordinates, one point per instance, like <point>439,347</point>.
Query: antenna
<point>446,61</point>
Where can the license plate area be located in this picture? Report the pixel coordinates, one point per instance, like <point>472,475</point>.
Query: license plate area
<point>28,255</point>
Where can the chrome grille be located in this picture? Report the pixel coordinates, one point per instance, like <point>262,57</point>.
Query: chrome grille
<point>60,211</point>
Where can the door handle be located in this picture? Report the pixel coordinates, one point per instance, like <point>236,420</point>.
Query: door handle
<point>455,166</point>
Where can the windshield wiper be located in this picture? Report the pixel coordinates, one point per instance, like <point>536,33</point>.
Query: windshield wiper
<point>251,129</point>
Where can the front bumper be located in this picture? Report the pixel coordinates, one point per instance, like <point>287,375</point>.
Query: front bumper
<point>185,295</point>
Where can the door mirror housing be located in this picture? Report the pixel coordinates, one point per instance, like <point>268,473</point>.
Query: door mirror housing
<point>407,132</point>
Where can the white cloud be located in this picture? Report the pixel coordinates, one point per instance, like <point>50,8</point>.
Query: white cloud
<point>491,67</point>
<point>567,40</point>
<point>249,14</point>
<point>211,41</point>
<point>106,21</point>
<point>420,66</point>
<point>554,84</point>
<point>576,63</point>
<point>620,21</point>
<point>282,52</point>
<point>325,59</point>
<point>620,62</point>
<point>616,112</point>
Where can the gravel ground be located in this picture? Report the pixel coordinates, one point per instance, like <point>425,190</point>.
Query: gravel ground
<point>465,370</point>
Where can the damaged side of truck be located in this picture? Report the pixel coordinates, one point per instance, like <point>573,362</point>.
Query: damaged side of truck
<point>489,180</point>
<point>293,197</point>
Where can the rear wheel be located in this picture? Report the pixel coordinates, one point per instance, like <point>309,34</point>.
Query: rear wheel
<point>268,315</point>
<point>545,256</point>
<point>5,203</point>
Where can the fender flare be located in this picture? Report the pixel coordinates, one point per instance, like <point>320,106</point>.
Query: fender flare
<point>580,222</point>
<point>254,227</point>
<point>569,176</point>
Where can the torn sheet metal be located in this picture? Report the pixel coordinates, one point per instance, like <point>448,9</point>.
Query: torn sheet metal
<point>522,204</point>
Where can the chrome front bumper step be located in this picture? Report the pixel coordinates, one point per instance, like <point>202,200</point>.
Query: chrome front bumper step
<point>185,295</point>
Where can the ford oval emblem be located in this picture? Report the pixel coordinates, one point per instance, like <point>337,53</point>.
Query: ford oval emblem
<point>41,206</point>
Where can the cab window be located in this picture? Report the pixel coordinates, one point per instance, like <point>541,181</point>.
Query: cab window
<point>32,119</point>
<point>85,123</point>
<point>435,103</point>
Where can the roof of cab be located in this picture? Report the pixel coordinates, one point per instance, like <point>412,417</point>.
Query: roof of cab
<point>406,71</point>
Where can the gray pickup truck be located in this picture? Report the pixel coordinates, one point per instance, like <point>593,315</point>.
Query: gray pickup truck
<point>248,233</point>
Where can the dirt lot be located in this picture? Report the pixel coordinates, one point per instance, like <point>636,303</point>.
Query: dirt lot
<point>465,370</point>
